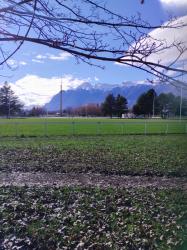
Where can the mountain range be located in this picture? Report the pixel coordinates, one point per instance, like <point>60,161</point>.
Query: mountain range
<point>88,93</point>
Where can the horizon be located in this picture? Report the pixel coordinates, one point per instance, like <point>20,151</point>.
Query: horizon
<point>88,93</point>
<point>37,72</point>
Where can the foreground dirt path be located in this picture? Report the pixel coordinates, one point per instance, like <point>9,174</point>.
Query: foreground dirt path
<point>95,180</point>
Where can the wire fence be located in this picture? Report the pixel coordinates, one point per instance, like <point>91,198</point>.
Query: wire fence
<point>62,128</point>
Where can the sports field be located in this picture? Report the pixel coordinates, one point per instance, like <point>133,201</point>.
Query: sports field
<point>89,126</point>
<point>151,155</point>
<point>80,184</point>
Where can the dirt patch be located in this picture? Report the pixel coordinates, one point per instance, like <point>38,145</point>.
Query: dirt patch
<point>95,180</point>
<point>104,161</point>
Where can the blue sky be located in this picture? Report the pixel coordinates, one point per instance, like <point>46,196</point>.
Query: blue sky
<point>37,70</point>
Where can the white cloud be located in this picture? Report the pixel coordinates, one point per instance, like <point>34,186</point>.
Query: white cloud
<point>35,90</point>
<point>176,3</point>
<point>22,63</point>
<point>37,61</point>
<point>167,36</point>
<point>175,7</point>
<point>41,56</point>
<point>120,64</point>
<point>62,56</point>
<point>14,64</point>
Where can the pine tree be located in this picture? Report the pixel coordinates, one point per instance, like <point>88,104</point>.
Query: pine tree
<point>146,104</point>
<point>108,107</point>
<point>120,105</point>
<point>114,106</point>
<point>9,102</point>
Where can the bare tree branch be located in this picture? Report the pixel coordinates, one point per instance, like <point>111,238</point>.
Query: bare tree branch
<point>90,33</point>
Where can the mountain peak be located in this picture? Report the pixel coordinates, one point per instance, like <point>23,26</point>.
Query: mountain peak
<point>90,93</point>
<point>85,86</point>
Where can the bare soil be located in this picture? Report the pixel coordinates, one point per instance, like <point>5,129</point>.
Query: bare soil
<point>95,180</point>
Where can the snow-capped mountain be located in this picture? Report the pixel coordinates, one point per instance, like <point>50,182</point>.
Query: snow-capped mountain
<point>89,93</point>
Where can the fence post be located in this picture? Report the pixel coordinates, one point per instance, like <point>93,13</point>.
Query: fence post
<point>73,128</point>
<point>167,126</point>
<point>45,129</point>
<point>16,128</point>
<point>122,130</point>
<point>145,128</point>
<point>125,128</point>
<point>98,128</point>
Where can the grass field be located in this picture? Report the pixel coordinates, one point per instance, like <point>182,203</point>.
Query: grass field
<point>89,126</point>
<point>133,154</point>
<point>92,218</point>
<point>72,217</point>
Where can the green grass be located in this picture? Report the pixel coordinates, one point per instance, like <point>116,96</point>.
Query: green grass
<point>130,155</point>
<point>88,126</point>
<point>92,218</point>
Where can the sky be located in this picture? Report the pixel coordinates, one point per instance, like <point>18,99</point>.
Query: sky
<point>38,71</point>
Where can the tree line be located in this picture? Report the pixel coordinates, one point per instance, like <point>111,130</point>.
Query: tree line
<point>164,105</point>
<point>147,105</point>
<point>112,106</point>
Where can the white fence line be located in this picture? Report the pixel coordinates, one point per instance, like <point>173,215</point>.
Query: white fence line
<point>57,128</point>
